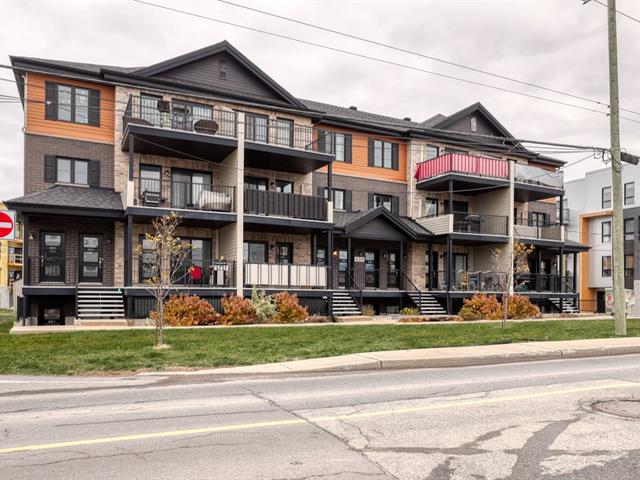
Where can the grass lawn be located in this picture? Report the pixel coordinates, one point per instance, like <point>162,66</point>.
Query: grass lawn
<point>85,352</point>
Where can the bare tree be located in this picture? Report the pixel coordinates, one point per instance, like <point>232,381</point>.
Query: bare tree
<point>519,255</point>
<point>167,269</point>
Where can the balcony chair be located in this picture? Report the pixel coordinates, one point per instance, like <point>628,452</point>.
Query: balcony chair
<point>210,127</point>
<point>219,201</point>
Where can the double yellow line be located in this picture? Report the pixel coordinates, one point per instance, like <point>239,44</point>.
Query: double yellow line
<point>298,421</point>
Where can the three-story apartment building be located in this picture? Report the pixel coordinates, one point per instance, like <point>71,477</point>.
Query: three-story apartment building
<point>343,207</point>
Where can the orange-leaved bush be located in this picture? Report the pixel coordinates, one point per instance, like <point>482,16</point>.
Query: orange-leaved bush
<point>237,310</point>
<point>521,307</point>
<point>481,307</point>
<point>288,309</point>
<point>187,310</point>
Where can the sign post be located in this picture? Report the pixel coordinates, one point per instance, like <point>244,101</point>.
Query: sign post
<point>7,225</point>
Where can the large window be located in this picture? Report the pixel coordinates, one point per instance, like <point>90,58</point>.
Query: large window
<point>74,171</point>
<point>255,252</point>
<point>430,207</point>
<point>69,103</point>
<point>606,266</point>
<point>380,200</point>
<point>338,198</point>
<point>606,232</point>
<point>383,154</point>
<point>284,131</point>
<point>284,186</point>
<point>538,219</point>
<point>629,228</point>
<point>284,253</point>
<point>431,151</point>
<point>606,197</point>
<point>629,193</point>
<point>257,127</point>
<point>628,265</point>
<point>255,183</point>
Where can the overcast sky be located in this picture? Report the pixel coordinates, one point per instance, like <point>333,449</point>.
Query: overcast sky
<point>556,43</point>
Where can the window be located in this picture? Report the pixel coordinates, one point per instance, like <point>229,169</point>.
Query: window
<point>606,232</point>
<point>629,228</point>
<point>606,266</point>
<point>284,132</point>
<point>149,108</point>
<point>338,198</point>
<point>629,193</point>
<point>147,259</point>
<point>474,124</point>
<point>606,197</point>
<point>222,69</point>
<point>68,103</point>
<point>186,114</point>
<point>431,151</point>
<point>565,211</point>
<point>383,154</point>
<point>72,171</point>
<point>284,186</point>
<point>257,127</point>
<point>150,180</point>
<point>628,265</point>
<point>284,253</point>
<point>187,188</point>
<point>380,200</point>
<point>255,252</point>
<point>339,138</point>
<point>430,207</point>
<point>321,256</point>
<point>538,219</point>
<point>255,183</point>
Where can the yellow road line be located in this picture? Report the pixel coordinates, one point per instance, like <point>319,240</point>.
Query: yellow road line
<point>298,421</point>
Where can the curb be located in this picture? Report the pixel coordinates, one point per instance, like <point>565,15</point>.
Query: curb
<point>430,358</point>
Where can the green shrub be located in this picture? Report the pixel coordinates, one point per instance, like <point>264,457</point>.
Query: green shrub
<point>263,305</point>
<point>237,311</point>
<point>521,307</point>
<point>288,309</point>
<point>481,307</point>
<point>409,311</point>
<point>187,310</point>
<point>368,310</point>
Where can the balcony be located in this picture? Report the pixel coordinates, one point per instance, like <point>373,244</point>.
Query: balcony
<point>193,274</point>
<point>526,229</point>
<point>543,283</point>
<point>183,195</point>
<point>535,183</point>
<point>267,275</point>
<point>291,205</point>
<point>465,171</point>
<point>493,282</point>
<point>467,223</point>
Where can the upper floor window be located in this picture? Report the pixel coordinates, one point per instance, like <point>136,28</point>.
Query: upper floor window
<point>474,124</point>
<point>222,69</point>
<point>383,154</point>
<point>629,193</point>
<point>431,151</point>
<point>71,171</point>
<point>284,186</point>
<point>337,143</point>
<point>606,197</point>
<point>284,131</point>
<point>606,266</point>
<point>257,127</point>
<point>606,232</point>
<point>380,200</point>
<point>255,183</point>
<point>339,198</point>
<point>538,219</point>
<point>430,207</point>
<point>69,103</point>
<point>629,228</point>
<point>628,265</point>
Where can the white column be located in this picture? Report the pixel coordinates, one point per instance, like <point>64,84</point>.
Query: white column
<point>240,208</point>
<point>512,169</point>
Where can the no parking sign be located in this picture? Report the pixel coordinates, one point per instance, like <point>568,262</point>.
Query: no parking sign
<point>7,225</point>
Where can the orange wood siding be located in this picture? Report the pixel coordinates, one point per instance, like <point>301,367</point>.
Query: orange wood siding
<point>359,166</point>
<point>36,123</point>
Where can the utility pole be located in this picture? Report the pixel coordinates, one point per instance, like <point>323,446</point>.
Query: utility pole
<point>619,303</point>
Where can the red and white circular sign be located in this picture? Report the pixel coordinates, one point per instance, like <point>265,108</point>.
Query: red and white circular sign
<point>7,225</point>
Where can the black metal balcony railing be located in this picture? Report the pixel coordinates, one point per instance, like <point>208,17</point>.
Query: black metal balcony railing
<point>285,133</point>
<point>479,223</point>
<point>193,273</point>
<point>180,115</point>
<point>262,202</point>
<point>530,228</point>
<point>494,282</point>
<point>53,271</point>
<point>543,282</point>
<point>285,275</point>
<point>185,195</point>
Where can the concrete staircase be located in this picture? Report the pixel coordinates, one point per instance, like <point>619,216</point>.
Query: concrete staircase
<point>344,305</point>
<point>426,303</point>
<point>100,305</point>
<point>568,305</point>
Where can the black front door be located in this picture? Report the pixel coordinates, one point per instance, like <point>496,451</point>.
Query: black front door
<point>52,257</point>
<point>343,267</point>
<point>432,282</point>
<point>91,258</point>
<point>371,269</point>
<point>284,253</point>
<point>393,269</point>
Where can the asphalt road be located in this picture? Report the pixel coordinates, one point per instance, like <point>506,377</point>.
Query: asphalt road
<point>538,420</point>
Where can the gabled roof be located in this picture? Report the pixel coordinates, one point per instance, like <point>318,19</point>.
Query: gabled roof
<point>67,197</point>
<point>350,222</point>
<point>475,108</point>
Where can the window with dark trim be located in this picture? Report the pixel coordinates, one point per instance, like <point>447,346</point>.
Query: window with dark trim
<point>71,171</point>
<point>628,265</point>
<point>431,151</point>
<point>69,103</point>
<point>606,197</point>
<point>147,260</point>
<point>538,219</point>
<point>430,207</point>
<point>284,186</point>
<point>284,131</point>
<point>606,266</point>
<point>380,200</point>
<point>629,193</point>
<point>256,252</point>
<point>284,253</point>
<point>255,183</point>
<point>338,198</point>
<point>606,232</point>
<point>257,127</point>
<point>629,228</point>
<point>383,154</point>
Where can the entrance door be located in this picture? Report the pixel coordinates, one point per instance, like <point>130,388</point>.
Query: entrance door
<point>284,253</point>
<point>343,266</point>
<point>52,257</point>
<point>393,269</point>
<point>91,258</point>
<point>371,269</point>
<point>431,271</point>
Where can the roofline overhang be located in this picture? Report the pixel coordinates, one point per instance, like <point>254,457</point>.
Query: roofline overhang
<point>375,213</point>
<point>363,126</point>
<point>58,210</point>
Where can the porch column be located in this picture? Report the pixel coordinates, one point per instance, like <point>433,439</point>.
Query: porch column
<point>575,271</point>
<point>330,258</point>
<point>430,272</point>
<point>314,248</point>
<point>538,276</point>
<point>349,262</point>
<point>448,274</point>
<point>401,272</point>
<point>128,250</point>
<point>26,277</point>
<point>561,272</point>
<point>131,159</point>
<point>561,213</point>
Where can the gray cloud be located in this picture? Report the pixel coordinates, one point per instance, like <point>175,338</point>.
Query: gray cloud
<point>557,43</point>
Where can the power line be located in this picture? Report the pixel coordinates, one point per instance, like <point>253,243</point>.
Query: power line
<point>618,11</point>
<point>379,60</point>
<point>422,55</point>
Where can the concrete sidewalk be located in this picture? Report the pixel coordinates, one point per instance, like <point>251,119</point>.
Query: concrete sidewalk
<point>435,357</point>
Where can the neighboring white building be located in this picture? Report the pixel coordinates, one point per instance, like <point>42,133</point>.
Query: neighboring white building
<point>588,203</point>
